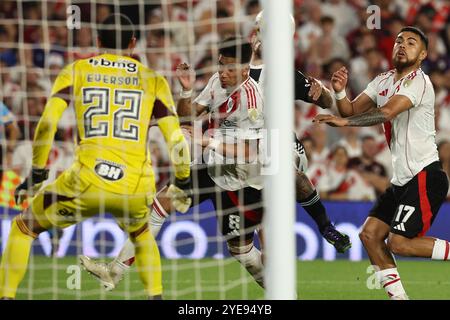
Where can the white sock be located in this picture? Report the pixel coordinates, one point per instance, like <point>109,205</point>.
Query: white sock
<point>157,218</point>
<point>250,257</point>
<point>441,250</point>
<point>123,261</point>
<point>390,280</point>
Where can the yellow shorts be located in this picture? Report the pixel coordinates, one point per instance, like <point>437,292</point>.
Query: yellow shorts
<point>72,198</point>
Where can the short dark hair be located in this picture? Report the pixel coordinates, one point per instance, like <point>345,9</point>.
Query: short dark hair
<point>417,31</point>
<point>116,31</point>
<point>326,19</point>
<point>236,48</point>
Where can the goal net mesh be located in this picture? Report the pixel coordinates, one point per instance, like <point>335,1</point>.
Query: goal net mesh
<point>39,38</point>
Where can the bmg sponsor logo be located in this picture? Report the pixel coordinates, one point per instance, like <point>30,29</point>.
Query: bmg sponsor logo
<point>129,66</point>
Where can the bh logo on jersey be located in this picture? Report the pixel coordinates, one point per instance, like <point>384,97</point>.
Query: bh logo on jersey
<point>130,67</point>
<point>109,171</point>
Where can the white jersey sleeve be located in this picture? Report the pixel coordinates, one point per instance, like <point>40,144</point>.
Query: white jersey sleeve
<point>413,87</point>
<point>371,89</point>
<point>205,97</point>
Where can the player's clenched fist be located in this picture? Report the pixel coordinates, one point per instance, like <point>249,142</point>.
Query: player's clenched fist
<point>31,185</point>
<point>339,79</point>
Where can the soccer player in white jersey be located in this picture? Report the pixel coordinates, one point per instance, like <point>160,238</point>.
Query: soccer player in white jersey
<point>403,101</point>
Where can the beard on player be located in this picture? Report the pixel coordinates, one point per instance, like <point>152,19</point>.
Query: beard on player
<point>408,52</point>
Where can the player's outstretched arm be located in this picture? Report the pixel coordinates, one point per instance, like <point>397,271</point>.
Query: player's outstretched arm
<point>362,103</point>
<point>396,105</point>
<point>169,124</point>
<point>54,108</point>
<point>45,133</point>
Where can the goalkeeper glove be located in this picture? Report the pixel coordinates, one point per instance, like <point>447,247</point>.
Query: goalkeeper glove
<point>179,194</point>
<point>31,185</point>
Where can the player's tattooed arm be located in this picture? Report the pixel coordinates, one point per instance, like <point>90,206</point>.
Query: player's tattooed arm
<point>366,119</point>
<point>396,105</point>
<point>370,118</point>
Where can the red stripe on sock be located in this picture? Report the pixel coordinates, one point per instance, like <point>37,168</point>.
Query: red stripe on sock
<point>391,282</point>
<point>424,203</point>
<point>447,248</point>
<point>129,262</point>
<point>158,209</point>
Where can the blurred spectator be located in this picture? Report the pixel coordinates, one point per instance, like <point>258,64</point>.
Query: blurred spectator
<point>160,165</point>
<point>311,29</point>
<point>366,67</point>
<point>9,133</point>
<point>344,15</point>
<point>8,54</point>
<point>350,141</point>
<point>84,45</point>
<point>252,8</point>
<point>387,37</point>
<point>330,44</point>
<point>332,66</point>
<point>226,25</point>
<point>424,18</point>
<point>55,65</point>
<point>320,149</point>
<point>437,58</point>
<point>341,183</point>
<point>444,156</point>
<point>442,108</point>
<point>370,170</point>
<point>8,9</point>
<point>102,12</point>
<point>161,56</point>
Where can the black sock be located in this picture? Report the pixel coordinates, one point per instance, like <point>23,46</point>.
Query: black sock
<point>316,210</point>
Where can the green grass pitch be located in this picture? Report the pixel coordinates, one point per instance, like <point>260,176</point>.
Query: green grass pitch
<point>226,279</point>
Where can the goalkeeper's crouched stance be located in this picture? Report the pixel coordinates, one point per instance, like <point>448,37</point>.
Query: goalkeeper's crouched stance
<point>112,169</point>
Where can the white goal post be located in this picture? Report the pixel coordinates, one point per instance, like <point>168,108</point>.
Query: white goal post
<point>279,188</point>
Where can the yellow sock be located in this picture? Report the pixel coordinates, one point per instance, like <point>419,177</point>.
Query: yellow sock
<point>15,258</point>
<point>148,263</point>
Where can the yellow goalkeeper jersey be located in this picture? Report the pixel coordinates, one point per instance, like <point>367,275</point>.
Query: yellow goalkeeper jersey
<point>114,98</point>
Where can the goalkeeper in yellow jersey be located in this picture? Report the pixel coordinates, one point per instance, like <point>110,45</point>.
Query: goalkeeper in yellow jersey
<point>114,97</point>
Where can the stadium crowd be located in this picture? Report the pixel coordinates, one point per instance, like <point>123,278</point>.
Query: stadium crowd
<point>345,164</point>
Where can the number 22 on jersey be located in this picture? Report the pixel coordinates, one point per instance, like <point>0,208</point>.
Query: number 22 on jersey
<point>97,103</point>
